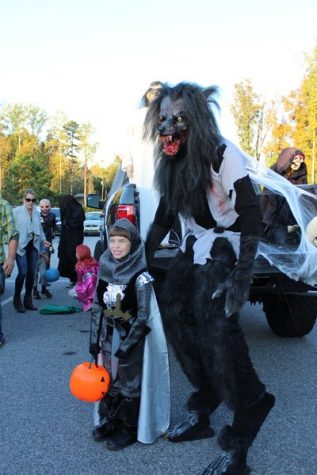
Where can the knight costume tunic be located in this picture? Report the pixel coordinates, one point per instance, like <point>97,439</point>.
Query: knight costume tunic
<point>131,337</point>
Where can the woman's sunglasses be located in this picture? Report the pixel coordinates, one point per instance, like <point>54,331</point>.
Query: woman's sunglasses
<point>30,199</point>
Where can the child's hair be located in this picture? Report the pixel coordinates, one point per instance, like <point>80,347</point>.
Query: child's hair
<point>84,256</point>
<point>118,231</point>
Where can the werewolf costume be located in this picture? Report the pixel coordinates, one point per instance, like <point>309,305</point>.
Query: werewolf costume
<point>203,178</point>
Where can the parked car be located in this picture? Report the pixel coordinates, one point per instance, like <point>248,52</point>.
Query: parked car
<point>93,223</point>
<point>290,307</point>
<point>57,213</point>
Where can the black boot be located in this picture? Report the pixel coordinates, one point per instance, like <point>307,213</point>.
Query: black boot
<point>103,431</point>
<point>36,294</point>
<point>28,304</point>
<point>107,410</point>
<point>126,420</point>
<point>17,303</point>
<point>194,426</point>
<point>122,437</point>
<point>236,440</point>
<point>45,292</point>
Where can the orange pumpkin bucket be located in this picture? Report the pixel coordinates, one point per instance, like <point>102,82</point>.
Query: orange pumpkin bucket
<point>89,382</point>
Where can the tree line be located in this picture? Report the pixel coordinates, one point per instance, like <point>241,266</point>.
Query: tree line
<point>52,156</point>
<point>265,128</point>
<point>55,155</point>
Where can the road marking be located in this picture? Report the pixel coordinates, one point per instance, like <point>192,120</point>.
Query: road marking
<point>4,302</point>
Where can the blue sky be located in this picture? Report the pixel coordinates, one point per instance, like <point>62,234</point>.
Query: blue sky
<point>94,59</point>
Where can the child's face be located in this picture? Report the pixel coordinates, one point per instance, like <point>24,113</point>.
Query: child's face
<point>119,246</point>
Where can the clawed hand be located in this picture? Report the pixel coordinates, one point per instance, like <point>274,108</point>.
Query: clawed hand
<point>236,290</point>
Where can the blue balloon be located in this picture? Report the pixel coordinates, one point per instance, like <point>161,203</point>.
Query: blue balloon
<point>51,275</point>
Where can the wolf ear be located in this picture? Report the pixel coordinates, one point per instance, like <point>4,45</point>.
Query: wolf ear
<point>210,91</point>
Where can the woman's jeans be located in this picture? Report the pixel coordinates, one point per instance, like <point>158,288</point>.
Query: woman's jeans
<point>26,267</point>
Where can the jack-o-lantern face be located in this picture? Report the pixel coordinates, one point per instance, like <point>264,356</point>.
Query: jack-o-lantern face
<point>89,382</point>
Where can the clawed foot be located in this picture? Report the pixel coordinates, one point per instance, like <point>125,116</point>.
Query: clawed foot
<point>227,463</point>
<point>192,427</point>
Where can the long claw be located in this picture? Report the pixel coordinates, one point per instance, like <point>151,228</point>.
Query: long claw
<point>218,292</point>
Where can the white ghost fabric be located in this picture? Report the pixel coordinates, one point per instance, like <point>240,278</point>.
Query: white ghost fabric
<point>299,263</point>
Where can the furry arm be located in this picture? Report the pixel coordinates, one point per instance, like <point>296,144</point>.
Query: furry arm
<point>139,328</point>
<point>154,238</point>
<point>161,225</point>
<point>237,285</point>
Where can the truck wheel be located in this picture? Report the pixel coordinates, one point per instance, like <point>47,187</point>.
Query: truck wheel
<point>290,316</point>
<point>99,249</point>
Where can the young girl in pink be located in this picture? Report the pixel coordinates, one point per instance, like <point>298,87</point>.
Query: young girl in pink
<point>87,273</point>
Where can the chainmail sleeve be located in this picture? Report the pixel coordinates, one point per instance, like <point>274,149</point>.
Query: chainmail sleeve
<point>143,286</point>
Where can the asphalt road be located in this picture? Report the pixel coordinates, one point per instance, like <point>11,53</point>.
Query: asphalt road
<point>44,430</point>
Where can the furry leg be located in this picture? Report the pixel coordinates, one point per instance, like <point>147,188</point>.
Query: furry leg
<point>247,422</point>
<point>193,330</point>
<point>236,440</point>
<point>232,459</point>
<point>212,326</point>
<point>227,464</point>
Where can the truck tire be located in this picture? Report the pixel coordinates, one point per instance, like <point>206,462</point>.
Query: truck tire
<point>99,249</point>
<point>291,315</point>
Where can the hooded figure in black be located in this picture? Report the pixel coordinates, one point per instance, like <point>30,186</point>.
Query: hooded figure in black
<point>124,291</point>
<point>202,177</point>
<point>277,215</point>
<point>72,234</point>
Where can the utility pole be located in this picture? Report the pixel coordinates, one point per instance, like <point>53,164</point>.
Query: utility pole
<point>60,173</point>
<point>0,176</point>
<point>85,172</point>
<point>313,157</point>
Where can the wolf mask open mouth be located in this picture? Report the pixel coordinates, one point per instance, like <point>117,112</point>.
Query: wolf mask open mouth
<point>173,126</point>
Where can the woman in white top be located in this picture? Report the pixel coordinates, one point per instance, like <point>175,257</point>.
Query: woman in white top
<point>28,223</point>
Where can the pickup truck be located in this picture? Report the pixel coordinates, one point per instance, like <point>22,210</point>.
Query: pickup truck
<point>290,306</point>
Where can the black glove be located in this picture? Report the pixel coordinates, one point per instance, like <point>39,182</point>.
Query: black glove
<point>96,316</point>
<point>237,285</point>
<point>137,333</point>
<point>94,350</point>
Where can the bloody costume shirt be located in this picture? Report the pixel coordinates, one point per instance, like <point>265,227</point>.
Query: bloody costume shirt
<point>222,200</point>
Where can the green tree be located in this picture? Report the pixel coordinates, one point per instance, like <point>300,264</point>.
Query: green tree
<point>296,124</point>
<point>55,148</point>
<point>278,131</point>
<point>27,171</point>
<point>248,113</point>
<point>103,176</point>
<point>87,150</point>
<point>4,158</point>
<point>36,119</point>
<point>71,129</point>
<point>305,114</point>
<point>13,119</point>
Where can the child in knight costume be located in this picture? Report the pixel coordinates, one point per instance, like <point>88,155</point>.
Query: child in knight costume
<point>203,177</point>
<point>128,332</point>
